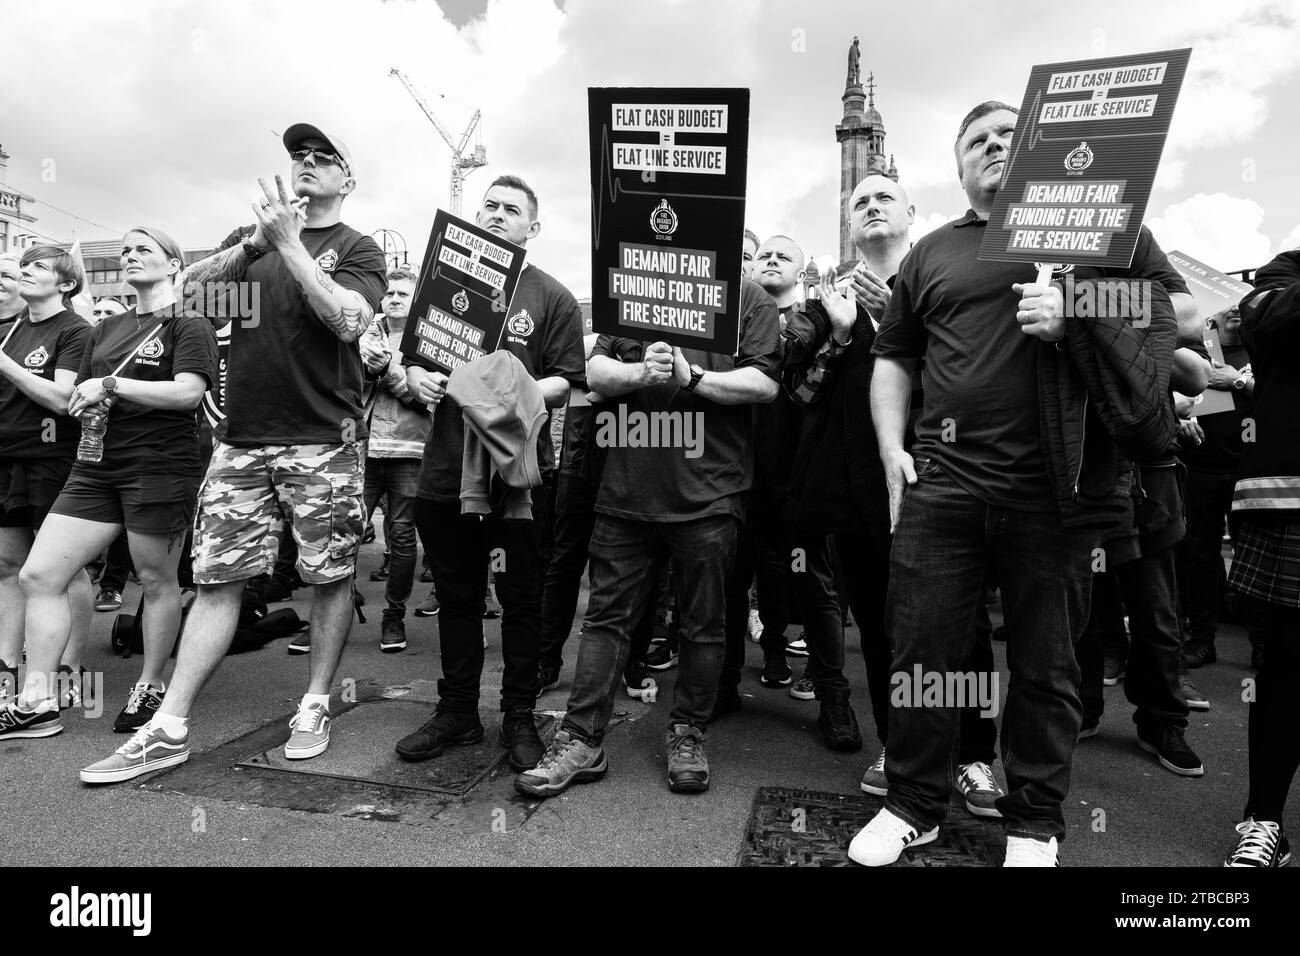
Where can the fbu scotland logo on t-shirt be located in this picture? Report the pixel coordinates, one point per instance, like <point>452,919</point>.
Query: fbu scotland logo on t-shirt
<point>150,352</point>
<point>37,358</point>
<point>521,324</point>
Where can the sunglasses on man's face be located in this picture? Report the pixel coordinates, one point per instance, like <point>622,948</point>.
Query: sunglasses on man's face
<point>321,158</point>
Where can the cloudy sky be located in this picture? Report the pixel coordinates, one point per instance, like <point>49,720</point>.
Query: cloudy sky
<point>165,112</point>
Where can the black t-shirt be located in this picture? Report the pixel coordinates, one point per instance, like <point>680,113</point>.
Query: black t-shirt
<point>980,419</point>
<point>648,483</point>
<point>140,438</point>
<point>42,348</point>
<point>543,331</point>
<point>291,380</point>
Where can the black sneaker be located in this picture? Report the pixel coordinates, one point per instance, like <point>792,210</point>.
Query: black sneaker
<point>370,533</point>
<point>1091,728</point>
<point>1200,655</point>
<point>776,672</point>
<point>140,708</point>
<point>430,607</point>
<point>392,635</point>
<point>838,723</point>
<point>301,644</point>
<point>1172,751</point>
<point>638,683</point>
<point>548,675</point>
<point>1112,671</point>
<point>42,722</point>
<point>445,729</point>
<point>381,573</point>
<point>663,657</point>
<point>727,702</point>
<point>1262,844</point>
<point>519,736</point>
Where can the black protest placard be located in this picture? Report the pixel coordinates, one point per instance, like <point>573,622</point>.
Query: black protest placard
<point>1083,160</point>
<point>465,287</point>
<point>668,170</point>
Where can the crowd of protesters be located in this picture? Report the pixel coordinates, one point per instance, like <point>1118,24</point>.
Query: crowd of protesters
<point>898,442</point>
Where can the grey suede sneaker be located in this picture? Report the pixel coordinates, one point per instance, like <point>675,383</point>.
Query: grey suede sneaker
<point>688,767</point>
<point>568,760</point>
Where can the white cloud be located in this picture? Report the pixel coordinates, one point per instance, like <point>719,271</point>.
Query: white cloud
<point>1290,241</point>
<point>928,224</point>
<point>1221,230</point>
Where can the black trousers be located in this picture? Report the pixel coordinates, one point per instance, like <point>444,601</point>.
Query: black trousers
<point>459,548</point>
<point>1274,730</point>
<point>575,516</point>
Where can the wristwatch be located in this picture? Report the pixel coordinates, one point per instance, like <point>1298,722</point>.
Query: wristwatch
<point>109,384</point>
<point>252,251</point>
<point>697,374</point>
<point>1240,383</point>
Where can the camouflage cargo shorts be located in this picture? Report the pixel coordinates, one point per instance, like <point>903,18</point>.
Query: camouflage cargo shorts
<point>247,494</point>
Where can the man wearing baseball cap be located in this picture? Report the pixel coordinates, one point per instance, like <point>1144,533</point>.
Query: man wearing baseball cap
<point>293,441</point>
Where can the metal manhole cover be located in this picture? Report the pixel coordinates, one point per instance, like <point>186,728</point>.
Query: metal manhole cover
<point>789,827</point>
<point>360,776</point>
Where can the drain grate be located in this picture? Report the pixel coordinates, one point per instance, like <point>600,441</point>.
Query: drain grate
<point>789,827</point>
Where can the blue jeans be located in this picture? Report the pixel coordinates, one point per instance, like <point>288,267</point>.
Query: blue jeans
<point>395,480</point>
<point>626,560</point>
<point>945,541</point>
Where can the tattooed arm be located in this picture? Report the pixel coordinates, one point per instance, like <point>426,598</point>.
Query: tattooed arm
<point>345,313</point>
<point>224,265</point>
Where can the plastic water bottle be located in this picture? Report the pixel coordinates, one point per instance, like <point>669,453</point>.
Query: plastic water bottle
<point>94,425</point>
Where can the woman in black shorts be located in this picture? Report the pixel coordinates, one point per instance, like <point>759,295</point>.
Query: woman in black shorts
<point>42,350</point>
<point>152,365</point>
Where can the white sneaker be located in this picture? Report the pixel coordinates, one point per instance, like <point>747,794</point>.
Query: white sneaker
<point>755,625</point>
<point>883,840</point>
<point>1026,851</point>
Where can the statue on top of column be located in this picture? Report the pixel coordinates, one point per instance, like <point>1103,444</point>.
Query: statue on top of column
<point>855,77</point>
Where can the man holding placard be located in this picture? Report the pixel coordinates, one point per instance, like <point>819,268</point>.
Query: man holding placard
<point>543,330</point>
<point>996,477</point>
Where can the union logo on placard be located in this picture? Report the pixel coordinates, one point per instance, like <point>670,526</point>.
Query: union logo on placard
<point>1058,268</point>
<point>151,349</point>
<point>521,324</point>
<point>37,358</point>
<point>460,302</point>
<point>663,220</point>
<point>1079,158</point>
<point>327,260</point>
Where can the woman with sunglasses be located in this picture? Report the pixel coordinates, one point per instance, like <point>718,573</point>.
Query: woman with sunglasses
<point>150,366</point>
<point>40,351</point>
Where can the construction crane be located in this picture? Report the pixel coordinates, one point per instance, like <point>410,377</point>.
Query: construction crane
<point>461,165</point>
